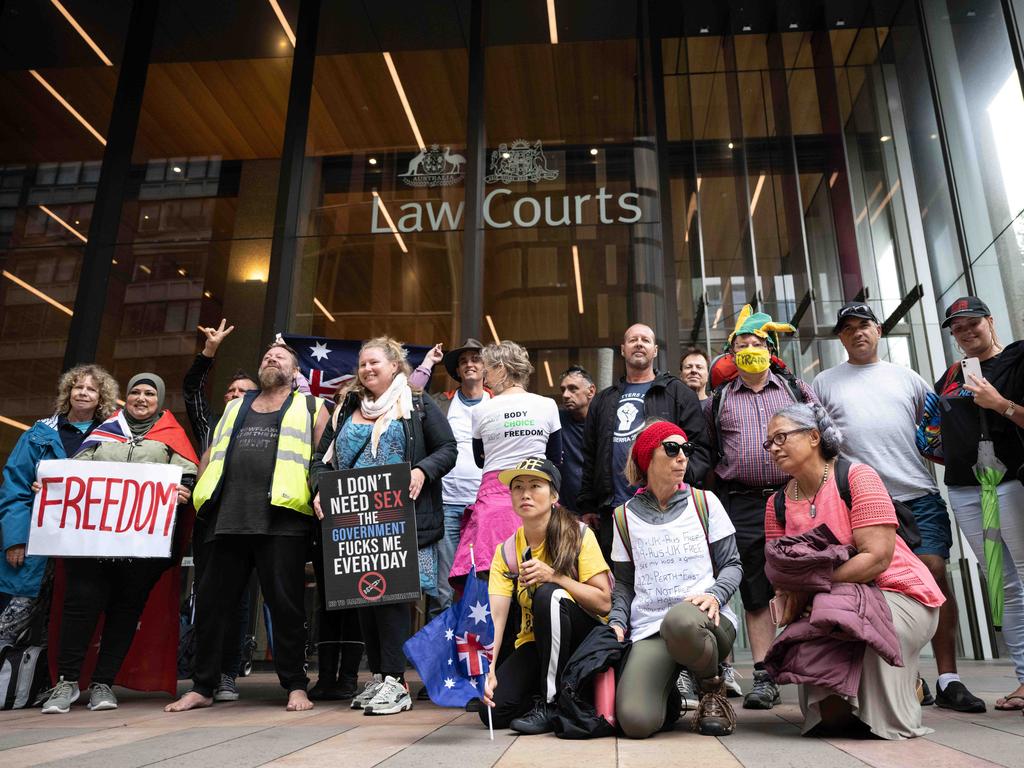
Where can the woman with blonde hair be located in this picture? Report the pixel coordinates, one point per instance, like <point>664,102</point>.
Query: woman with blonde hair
<point>86,395</point>
<point>510,427</point>
<point>381,420</point>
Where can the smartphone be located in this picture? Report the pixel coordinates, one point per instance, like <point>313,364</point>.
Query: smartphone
<point>775,610</point>
<point>528,555</point>
<point>971,367</point>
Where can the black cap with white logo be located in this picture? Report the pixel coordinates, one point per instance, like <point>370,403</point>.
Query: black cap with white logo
<point>854,309</point>
<point>966,306</point>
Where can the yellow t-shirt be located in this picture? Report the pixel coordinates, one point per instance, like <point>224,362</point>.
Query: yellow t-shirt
<point>590,563</point>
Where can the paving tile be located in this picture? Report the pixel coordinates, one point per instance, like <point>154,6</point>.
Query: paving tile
<point>12,736</point>
<point>250,750</point>
<point>533,751</point>
<point>681,743</point>
<point>977,738</point>
<point>63,751</point>
<point>362,746</point>
<point>463,743</point>
<point>899,754</point>
<point>769,740</point>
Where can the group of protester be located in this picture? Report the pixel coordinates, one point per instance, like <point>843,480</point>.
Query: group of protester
<point>643,507</point>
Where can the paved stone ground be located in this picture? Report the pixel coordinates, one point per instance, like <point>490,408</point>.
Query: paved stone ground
<point>256,731</point>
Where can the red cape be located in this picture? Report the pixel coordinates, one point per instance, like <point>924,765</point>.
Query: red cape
<point>152,660</point>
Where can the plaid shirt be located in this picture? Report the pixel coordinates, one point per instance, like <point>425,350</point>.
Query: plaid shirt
<point>743,420</point>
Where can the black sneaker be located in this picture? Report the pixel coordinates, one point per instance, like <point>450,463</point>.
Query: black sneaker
<point>926,695</point>
<point>955,696</point>
<point>764,694</point>
<point>538,720</point>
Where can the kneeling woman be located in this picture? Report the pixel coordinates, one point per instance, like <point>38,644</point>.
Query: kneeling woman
<point>561,586</point>
<point>676,566</point>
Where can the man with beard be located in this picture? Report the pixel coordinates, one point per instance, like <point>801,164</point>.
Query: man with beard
<point>617,415</point>
<point>254,489</point>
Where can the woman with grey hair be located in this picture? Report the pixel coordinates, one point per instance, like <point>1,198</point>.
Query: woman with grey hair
<point>804,443</point>
<point>510,427</point>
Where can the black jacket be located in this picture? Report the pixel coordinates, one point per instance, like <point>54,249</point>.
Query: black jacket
<point>429,446</point>
<point>669,399</point>
<point>577,716</point>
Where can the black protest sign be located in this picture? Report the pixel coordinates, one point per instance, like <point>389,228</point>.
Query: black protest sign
<point>369,535</point>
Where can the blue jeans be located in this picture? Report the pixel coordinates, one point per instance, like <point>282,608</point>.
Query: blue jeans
<point>446,556</point>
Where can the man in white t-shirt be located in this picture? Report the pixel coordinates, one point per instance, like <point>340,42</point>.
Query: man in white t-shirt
<point>877,405</point>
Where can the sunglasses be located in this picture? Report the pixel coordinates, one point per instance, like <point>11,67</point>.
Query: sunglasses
<point>672,449</point>
<point>779,438</point>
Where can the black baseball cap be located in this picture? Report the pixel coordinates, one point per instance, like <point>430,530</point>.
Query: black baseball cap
<point>966,306</point>
<point>538,466</point>
<point>853,309</point>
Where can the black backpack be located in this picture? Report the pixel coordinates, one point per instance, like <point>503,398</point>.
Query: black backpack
<point>906,524</point>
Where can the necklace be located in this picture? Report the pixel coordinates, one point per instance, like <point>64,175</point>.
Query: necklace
<point>796,490</point>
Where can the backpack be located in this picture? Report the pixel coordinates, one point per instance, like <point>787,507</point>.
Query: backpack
<point>24,674</point>
<point>700,501</point>
<point>720,394</point>
<point>906,524</point>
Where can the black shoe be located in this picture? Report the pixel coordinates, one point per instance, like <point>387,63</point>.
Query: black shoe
<point>926,695</point>
<point>955,696</point>
<point>423,695</point>
<point>765,693</point>
<point>538,720</point>
<point>348,687</point>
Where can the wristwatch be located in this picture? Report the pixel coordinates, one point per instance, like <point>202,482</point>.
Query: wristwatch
<point>1010,410</point>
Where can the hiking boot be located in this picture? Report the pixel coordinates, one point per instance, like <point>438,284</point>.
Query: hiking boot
<point>686,684</point>
<point>764,694</point>
<point>101,697</point>
<point>538,720</point>
<point>62,696</point>
<point>715,715</point>
<point>226,689</point>
<point>732,685</point>
<point>369,690</point>
<point>955,696</point>
<point>392,697</point>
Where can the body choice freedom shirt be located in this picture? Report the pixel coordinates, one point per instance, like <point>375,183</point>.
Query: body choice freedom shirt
<point>672,561</point>
<point>513,428</point>
<point>629,420</point>
<point>877,407</point>
<point>461,484</point>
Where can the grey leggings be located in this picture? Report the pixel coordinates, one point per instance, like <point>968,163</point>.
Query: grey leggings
<point>687,639</point>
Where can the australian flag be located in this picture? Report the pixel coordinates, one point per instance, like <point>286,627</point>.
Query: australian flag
<point>453,652</point>
<point>329,363</point>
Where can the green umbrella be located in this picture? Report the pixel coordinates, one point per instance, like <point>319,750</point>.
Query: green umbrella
<point>990,471</point>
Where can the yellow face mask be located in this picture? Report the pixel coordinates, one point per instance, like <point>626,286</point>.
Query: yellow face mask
<point>753,359</point>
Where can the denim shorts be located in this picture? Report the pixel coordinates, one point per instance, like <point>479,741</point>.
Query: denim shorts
<point>933,521</point>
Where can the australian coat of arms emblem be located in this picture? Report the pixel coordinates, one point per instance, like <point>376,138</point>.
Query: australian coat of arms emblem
<point>434,167</point>
<point>520,162</point>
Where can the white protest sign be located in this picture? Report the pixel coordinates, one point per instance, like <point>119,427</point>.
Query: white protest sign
<point>103,509</point>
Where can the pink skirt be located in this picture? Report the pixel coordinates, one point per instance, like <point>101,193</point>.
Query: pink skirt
<point>486,523</point>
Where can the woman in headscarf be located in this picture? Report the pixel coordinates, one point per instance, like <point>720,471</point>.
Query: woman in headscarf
<point>142,432</point>
<point>86,395</point>
<point>382,421</point>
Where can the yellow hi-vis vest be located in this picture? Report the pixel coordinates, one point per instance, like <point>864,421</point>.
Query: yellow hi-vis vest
<point>290,485</point>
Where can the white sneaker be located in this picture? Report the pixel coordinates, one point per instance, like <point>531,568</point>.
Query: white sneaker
<point>732,685</point>
<point>686,683</point>
<point>391,698</point>
<point>369,691</point>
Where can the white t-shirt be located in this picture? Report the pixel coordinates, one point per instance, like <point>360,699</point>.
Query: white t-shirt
<point>672,561</point>
<point>514,427</point>
<point>461,484</point>
<point>877,407</point>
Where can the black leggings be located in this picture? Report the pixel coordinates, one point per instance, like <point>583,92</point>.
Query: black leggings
<point>535,669</point>
<point>116,588</point>
<point>385,629</point>
<point>338,632</point>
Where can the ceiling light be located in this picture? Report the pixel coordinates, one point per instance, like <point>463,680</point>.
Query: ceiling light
<point>579,283</point>
<point>793,25</point>
<point>405,102</point>
<point>77,221</point>
<point>391,224</point>
<point>284,22</point>
<point>494,332</point>
<point>689,216</point>
<point>63,223</point>
<point>757,194</point>
<point>113,261</point>
<point>37,293</point>
<point>718,318</point>
<point>505,155</point>
<point>176,169</point>
<point>322,308</point>
<point>745,28</point>
<point>552,23</point>
<point>145,269</point>
<point>547,370</point>
<point>373,161</point>
<point>64,103</point>
<point>207,294</point>
<point>730,145</point>
<point>182,272</point>
<point>593,150</point>
<point>13,423</point>
<point>933,136</point>
<point>146,217</point>
<point>78,28</point>
<point>811,366</point>
<point>885,138</point>
<point>256,276</point>
<point>832,179</point>
<point>840,22</point>
<point>704,30</point>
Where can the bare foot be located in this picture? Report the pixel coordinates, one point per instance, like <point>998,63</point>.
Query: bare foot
<point>190,700</point>
<point>298,701</point>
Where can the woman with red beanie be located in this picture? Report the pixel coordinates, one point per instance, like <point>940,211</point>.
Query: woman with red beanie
<point>676,566</point>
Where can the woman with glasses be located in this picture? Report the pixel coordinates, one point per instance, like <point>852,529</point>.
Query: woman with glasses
<point>804,443</point>
<point>676,566</point>
<point>989,404</point>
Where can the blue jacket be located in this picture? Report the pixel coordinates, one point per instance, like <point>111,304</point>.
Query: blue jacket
<point>39,443</point>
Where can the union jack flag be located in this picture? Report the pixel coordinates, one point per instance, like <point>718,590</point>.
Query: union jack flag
<point>473,653</point>
<point>113,430</point>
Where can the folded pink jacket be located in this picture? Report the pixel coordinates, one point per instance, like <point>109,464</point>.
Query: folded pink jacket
<point>827,647</point>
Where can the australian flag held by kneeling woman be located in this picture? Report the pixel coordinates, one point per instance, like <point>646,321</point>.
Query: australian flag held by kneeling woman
<point>453,652</point>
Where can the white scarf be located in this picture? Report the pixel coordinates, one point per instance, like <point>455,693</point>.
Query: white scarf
<point>396,402</point>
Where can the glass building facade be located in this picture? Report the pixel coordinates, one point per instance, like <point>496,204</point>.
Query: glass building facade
<point>547,171</point>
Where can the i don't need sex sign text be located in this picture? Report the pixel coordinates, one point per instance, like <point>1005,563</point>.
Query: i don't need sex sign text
<point>104,509</point>
<point>369,536</point>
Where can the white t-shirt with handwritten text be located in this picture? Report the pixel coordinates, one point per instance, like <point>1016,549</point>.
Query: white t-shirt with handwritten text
<point>514,428</point>
<point>671,561</point>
